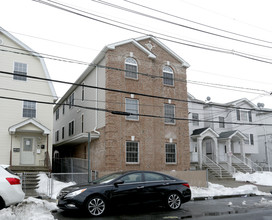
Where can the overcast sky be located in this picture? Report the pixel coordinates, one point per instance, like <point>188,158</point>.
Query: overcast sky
<point>197,22</point>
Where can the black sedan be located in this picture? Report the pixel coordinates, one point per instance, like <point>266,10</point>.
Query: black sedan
<point>125,188</point>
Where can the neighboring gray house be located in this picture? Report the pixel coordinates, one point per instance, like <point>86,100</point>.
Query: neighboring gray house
<point>217,141</point>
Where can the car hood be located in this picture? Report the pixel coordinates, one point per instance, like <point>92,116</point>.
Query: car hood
<point>81,186</point>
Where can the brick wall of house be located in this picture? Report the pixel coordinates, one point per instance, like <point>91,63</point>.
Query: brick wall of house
<point>151,133</point>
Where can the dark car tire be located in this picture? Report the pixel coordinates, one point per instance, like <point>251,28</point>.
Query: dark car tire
<point>2,203</point>
<point>96,206</point>
<point>173,201</point>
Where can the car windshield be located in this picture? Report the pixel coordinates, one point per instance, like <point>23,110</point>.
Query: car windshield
<point>107,178</point>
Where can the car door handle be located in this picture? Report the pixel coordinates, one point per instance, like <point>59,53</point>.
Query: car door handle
<point>166,184</point>
<point>140,187</point>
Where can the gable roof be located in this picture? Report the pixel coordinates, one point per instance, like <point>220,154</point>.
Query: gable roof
<point>201,131</point>
<point>245,100</point>
<point>37,55</point>
<point>230,134</point>
<point>101,55</point>
<point>13,128</point>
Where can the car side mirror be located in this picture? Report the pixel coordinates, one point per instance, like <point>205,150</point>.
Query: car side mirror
<point>118,183</point>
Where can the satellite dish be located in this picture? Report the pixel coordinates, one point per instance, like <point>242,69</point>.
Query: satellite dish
<point>208,98</point>
<point>260,105</point>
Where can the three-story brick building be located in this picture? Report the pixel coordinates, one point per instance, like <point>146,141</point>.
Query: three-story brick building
<point>119,101</point>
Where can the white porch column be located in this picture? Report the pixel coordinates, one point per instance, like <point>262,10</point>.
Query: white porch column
<point>199,149</point>
<point>242,150</point>
<point>216,150</point>
<point>229,151</point>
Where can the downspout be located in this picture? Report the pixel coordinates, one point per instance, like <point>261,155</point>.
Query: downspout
<point>96,94</point>
<point>10,162</point>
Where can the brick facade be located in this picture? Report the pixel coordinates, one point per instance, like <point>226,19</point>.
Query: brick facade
<point>109,152</point>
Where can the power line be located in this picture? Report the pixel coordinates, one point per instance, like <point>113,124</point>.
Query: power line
<point>57,58</point>
<point>132,92</point>
<point>190,43</point>
<point>128,113</point>
<point>194,22</point>
<point>174,23</point>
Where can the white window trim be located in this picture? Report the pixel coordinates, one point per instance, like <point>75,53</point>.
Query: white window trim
<point>26,71</point>
<point>127,117</point>
<point>138,156</point>
<point>170,123</point>
<point>175,154</point>
<point>172,72</point>
<point>36,108</point>
<point>132,64</point>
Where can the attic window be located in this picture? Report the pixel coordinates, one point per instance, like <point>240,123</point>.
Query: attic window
<point>131,68</point>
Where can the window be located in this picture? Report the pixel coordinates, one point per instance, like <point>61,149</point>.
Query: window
<point>168,76</point>
<point>170,152</point>
<point>62,133</point>
<point>71,100</point>
<point>132,152</point>
<point>150,177</point>
<point>132,106</point>
<point>21,69</point>
<point>244,115</point>
<point>250,139</point>
<point>63,108</point>
<point>169,113</point>
<point>57,114</point>
<point>82,92</point>
<point>221,122</point>
<point>71,128</point>
<point>57,136</point>
<point>195,118</point>
<point>132,178</point>
<point>249,116</point>
<point>82,123</point>
<point>238,115</point>
<point>29,109</point>
<point>131,68</point>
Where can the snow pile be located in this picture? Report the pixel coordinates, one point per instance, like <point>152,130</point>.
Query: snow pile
<point>220,190</point>
<point>56,186</point>
<point>264,203</point>
<point>30,209</point>
<point>260,178</point>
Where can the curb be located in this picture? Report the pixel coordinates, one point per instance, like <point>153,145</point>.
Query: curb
<point>222,197</point>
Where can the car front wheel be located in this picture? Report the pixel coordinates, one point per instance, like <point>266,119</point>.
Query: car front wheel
<point>173,201</point>
<point>96,206</point>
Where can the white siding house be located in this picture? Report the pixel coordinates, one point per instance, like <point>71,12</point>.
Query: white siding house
<point>225,137</point>
<point>26,124</point>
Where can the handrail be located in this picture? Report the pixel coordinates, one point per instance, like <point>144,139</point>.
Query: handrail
<point>253,164</point>
<point>232,168</point>
<point>211,161</point>
<point>242,162</point>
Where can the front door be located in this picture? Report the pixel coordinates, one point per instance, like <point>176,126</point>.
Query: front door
<point>27,152</point>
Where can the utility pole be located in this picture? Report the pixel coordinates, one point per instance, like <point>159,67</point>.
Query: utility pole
<point>89,158</point>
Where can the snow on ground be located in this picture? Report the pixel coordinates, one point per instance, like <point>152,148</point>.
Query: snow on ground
<point>260,178</point>
<point>32,208</point>
<point>55,185</point>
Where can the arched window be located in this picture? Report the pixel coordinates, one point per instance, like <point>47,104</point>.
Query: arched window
<point>168,76</point>
<point>131,68</point>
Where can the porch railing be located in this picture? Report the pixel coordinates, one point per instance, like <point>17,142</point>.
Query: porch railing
<point>239,161</point>
<point>230,168</point>
<point>211,165</point>
<point>253,165</point>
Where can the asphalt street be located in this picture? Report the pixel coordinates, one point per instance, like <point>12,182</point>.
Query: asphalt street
<point>246,207</point>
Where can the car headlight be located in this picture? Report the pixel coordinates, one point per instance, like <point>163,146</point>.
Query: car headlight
<point>75,193</point>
